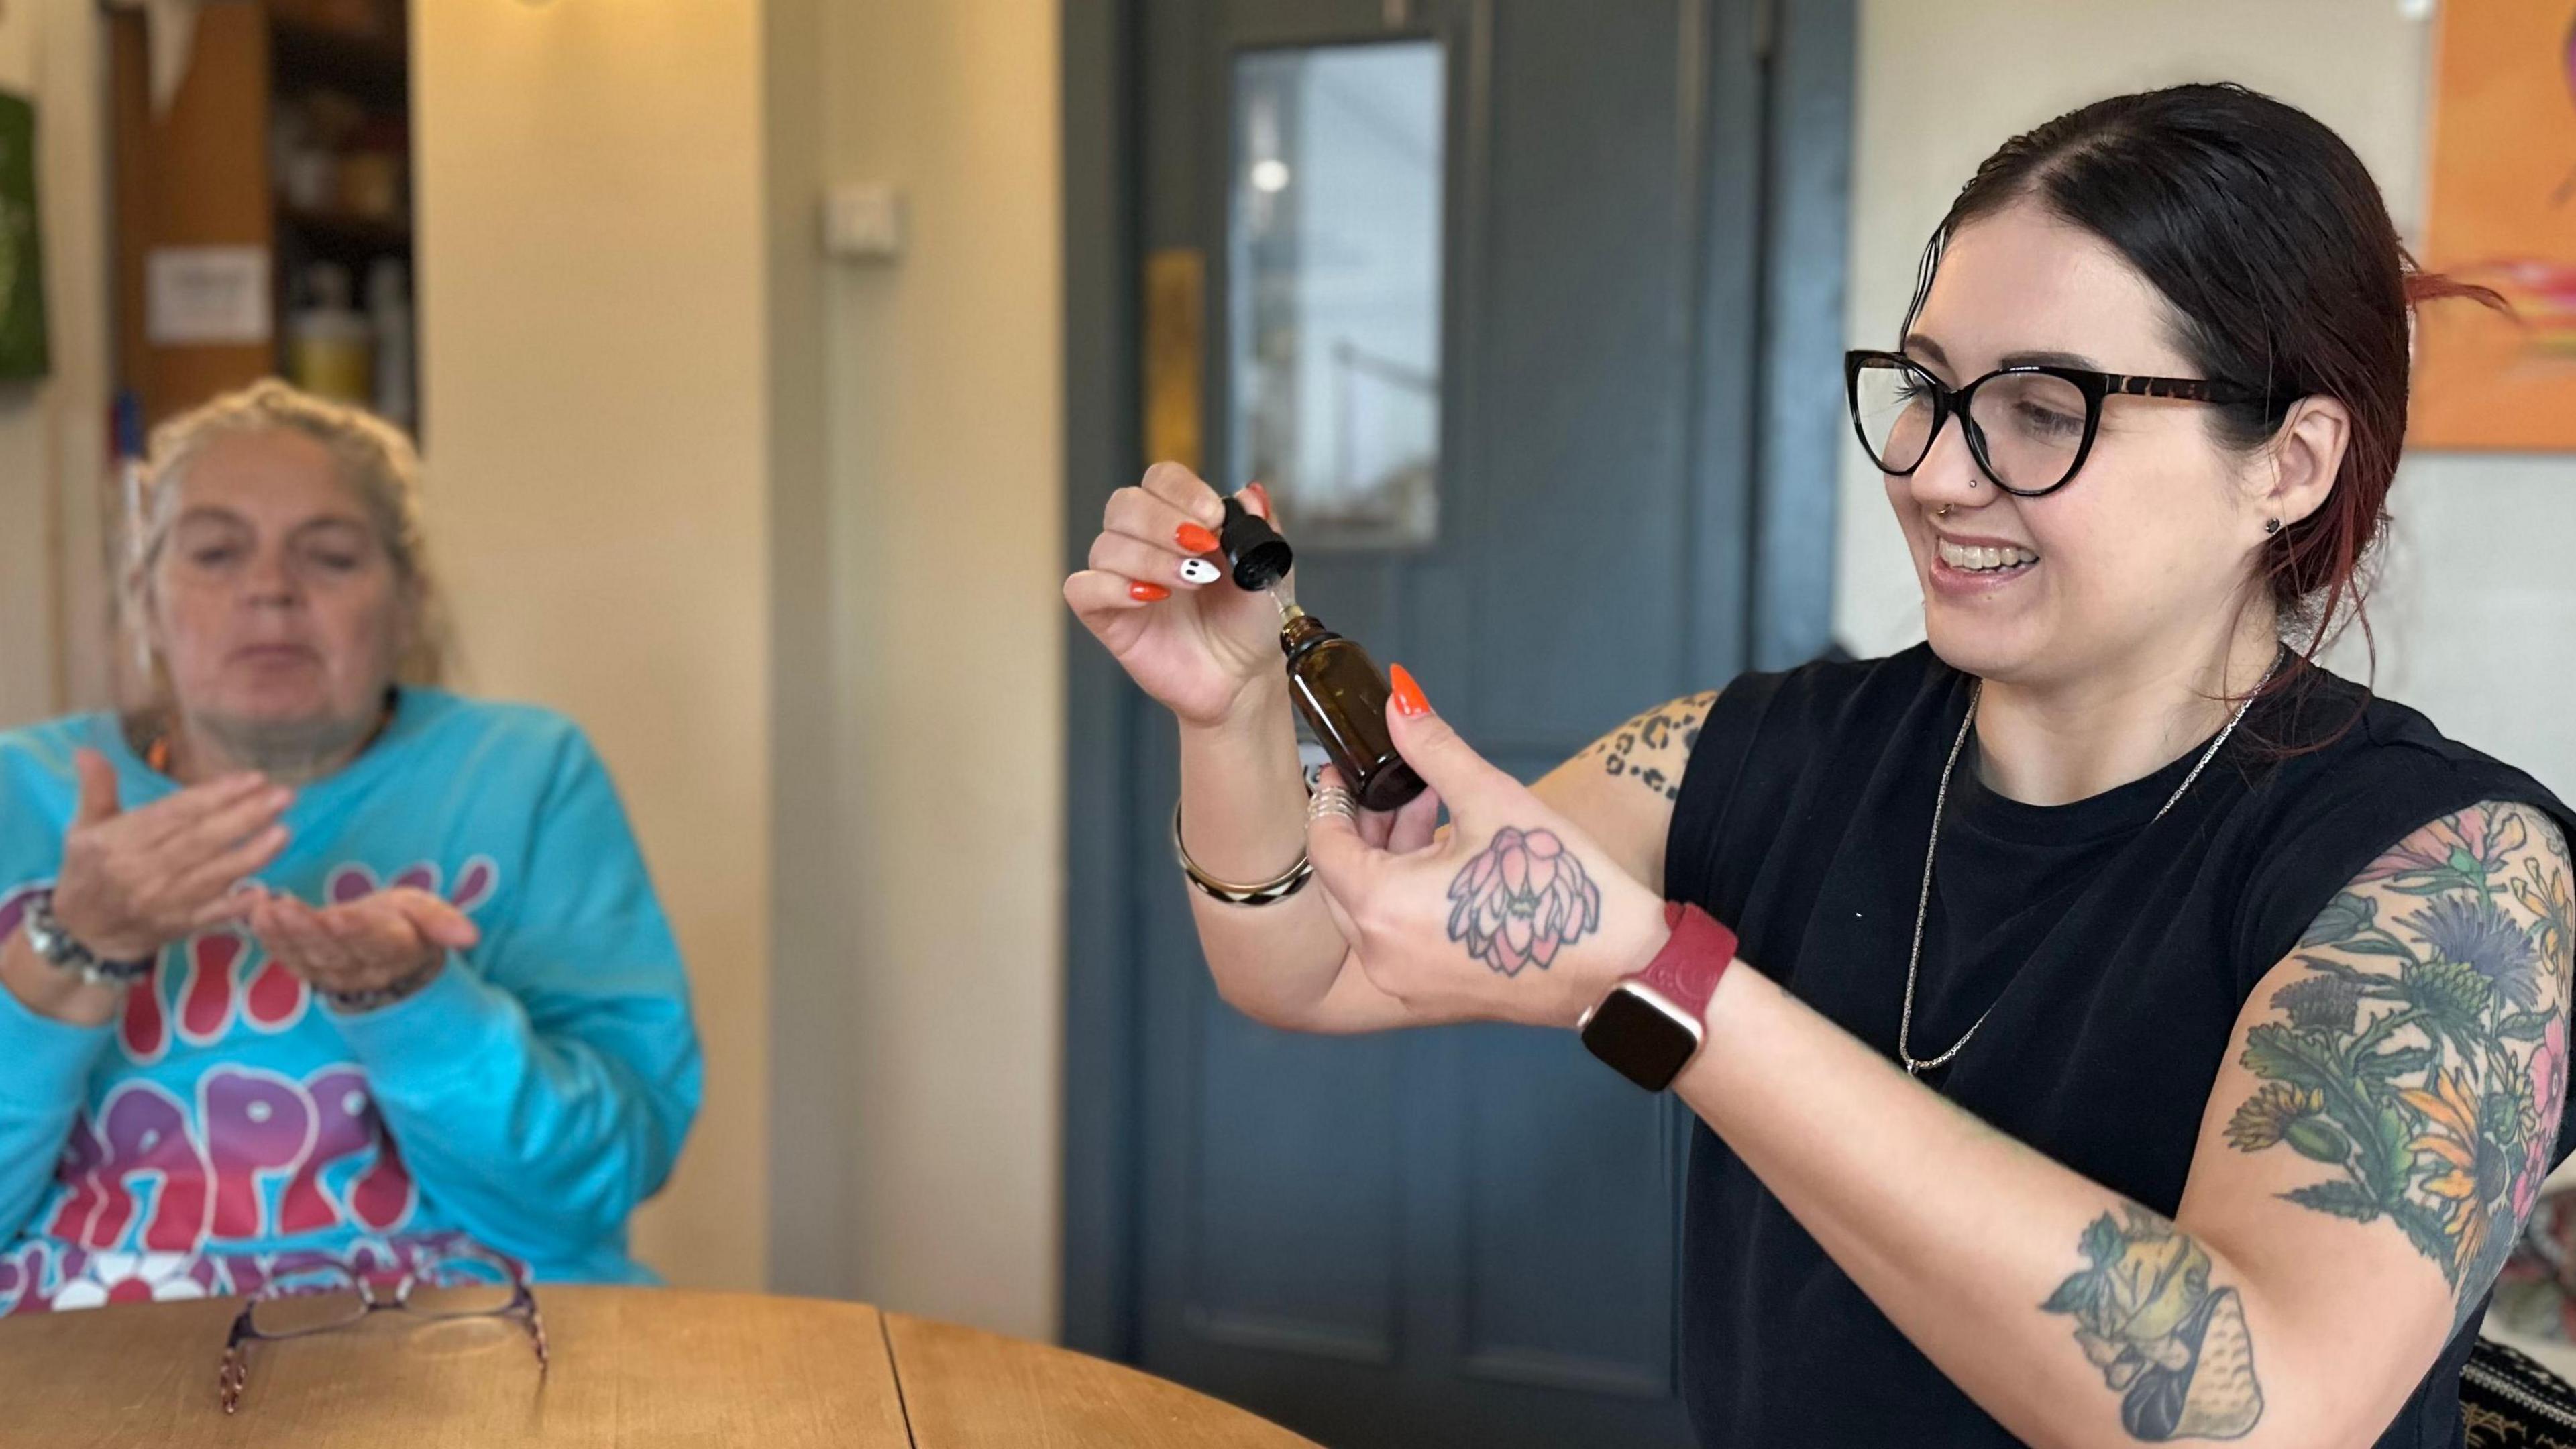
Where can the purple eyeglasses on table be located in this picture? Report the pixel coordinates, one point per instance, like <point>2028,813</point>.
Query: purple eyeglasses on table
<point>444,1280</point>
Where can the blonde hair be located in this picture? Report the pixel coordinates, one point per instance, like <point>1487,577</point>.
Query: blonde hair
<point>375,460</point>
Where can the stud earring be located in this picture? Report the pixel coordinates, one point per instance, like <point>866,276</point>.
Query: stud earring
<point>2271,526</point>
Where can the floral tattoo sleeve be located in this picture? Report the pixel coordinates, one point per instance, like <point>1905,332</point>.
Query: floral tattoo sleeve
<point>2420,1065</point>
<point>1653,748</point>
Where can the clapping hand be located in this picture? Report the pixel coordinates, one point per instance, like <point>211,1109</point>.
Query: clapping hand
<point>390,940</point>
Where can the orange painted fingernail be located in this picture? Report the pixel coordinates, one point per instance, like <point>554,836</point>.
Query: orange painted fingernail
<point>1145,593</point>
<point>1194,539</point>
<point>1408,695</point>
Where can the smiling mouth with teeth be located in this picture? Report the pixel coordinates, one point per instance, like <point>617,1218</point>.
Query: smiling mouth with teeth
<point>1972,560</point>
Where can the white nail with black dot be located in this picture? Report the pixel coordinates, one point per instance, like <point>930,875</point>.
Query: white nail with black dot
<point>1198,571</point>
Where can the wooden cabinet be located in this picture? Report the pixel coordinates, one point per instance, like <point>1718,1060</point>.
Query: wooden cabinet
<point>287,135</point>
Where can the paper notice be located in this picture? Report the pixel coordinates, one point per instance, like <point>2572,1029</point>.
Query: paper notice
<point>206,296</point>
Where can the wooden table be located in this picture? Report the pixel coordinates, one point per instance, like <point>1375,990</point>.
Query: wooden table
<point>632,1366</point>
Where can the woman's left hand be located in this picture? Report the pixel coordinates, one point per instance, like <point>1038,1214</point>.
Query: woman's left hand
<point>1514,914</point>
<point>387,938</point>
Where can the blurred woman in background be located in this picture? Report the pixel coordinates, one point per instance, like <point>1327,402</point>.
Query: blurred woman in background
<point>305,957</point>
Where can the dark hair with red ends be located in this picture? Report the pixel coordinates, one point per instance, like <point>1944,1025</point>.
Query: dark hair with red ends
<point>2269,239</point>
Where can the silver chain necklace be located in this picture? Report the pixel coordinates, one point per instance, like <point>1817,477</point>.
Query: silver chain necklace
<point>1915,1067</point>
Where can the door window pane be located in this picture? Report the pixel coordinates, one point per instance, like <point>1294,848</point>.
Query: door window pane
<point>1334,247</point>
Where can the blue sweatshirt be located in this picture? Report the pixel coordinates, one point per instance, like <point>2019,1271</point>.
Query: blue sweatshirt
<point>230,1122</point>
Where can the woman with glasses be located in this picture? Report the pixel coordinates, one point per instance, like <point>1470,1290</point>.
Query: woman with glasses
<point>306,962</point>
<point>2106,1025</point>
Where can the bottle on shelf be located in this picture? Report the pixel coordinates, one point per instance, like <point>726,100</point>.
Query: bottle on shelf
<point>331,349</point>
<point>389,313</point>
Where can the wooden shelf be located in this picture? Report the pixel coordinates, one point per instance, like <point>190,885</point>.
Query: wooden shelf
<point>338,233</point>
<point>372,70</point>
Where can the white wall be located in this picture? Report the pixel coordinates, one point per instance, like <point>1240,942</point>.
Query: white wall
<point>52,578</point>
<point>931,946</point>
<point>785,535</point>
<point>594,384</point>
<point>2476,615</point>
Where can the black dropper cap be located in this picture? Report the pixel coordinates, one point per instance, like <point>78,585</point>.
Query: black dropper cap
<point>1254,550</point>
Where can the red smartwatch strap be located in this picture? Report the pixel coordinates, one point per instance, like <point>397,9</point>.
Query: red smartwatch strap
<point>1686,971</point>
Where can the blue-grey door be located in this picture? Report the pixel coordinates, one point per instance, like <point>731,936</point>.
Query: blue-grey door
<point>1483,302</point>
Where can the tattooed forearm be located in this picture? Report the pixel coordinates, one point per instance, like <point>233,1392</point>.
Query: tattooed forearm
<point>1653,748</point>
<point>2175,1348</point>
<point>2424,1059</point>
<point>1521,900</point>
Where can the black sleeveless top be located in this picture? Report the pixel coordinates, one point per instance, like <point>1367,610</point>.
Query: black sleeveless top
<point>2115,955</point>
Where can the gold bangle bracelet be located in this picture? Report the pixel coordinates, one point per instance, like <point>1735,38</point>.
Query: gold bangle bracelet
<point>1287,883</point>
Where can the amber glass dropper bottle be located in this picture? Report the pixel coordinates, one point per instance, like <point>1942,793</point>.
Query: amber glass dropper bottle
<point>1343,698</point>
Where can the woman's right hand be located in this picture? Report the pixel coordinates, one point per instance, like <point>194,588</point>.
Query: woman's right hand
<point>1200,646</point>
<point>134,881</point>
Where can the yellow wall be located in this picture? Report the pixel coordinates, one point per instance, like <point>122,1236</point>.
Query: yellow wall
<point>593,385</point>
<point>2476,613</point>
<point>636,365</point>
<point>926,959</point>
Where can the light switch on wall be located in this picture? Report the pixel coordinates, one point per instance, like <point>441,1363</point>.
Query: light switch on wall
<point>863,222</point>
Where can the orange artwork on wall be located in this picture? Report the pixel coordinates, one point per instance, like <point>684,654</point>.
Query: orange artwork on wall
<point>2502,213</point>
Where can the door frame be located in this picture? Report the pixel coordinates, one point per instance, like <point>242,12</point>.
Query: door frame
<point>1792,456</point>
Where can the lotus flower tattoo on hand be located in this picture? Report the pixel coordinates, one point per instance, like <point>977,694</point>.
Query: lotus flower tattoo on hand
<point>1522,900</point>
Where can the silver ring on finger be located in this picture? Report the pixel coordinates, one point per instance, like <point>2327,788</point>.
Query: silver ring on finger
<point>1330,800</point>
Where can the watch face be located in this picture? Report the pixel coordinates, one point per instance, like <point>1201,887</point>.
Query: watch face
<point>1633,1033</point>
